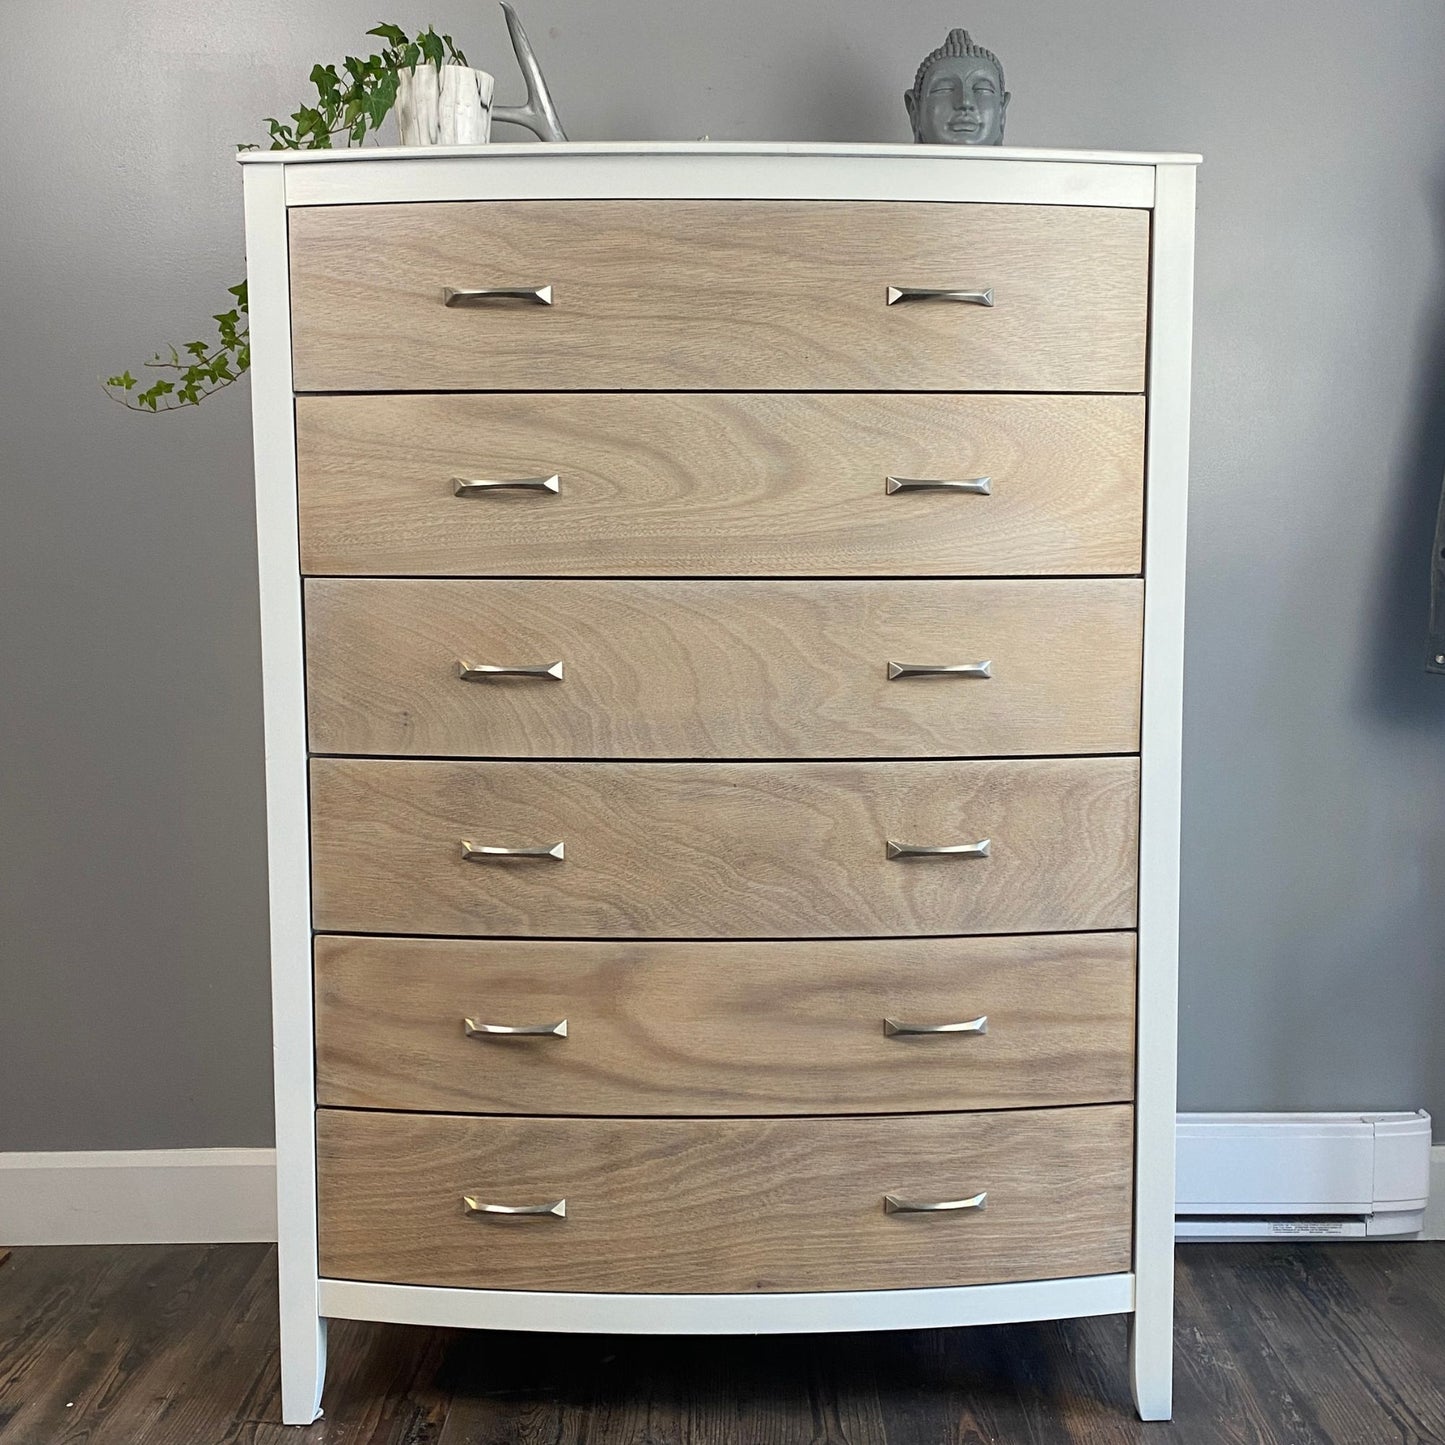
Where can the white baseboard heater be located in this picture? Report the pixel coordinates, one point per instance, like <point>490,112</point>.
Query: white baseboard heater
<point>1301,1176</point>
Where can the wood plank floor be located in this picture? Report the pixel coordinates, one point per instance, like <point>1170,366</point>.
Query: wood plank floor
<point>147,1345</point>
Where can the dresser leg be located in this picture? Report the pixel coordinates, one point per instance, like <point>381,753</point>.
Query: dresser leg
<point>303,1369</point>
<point>1151,1363</point>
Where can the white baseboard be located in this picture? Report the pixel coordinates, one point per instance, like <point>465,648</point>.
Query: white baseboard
<point>138,1196</point>
<point>221,1196</point>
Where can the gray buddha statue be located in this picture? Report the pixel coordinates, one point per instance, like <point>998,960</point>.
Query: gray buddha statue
<point>958,96</point>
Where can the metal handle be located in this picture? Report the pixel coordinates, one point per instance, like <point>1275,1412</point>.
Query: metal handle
<point>476,486</point>
<point>485,671</point>
<point>978,486</point>
<point>892,1204</point>
<point>930,293</point>
<point>557,1209</point>
<point>475,1030</point>
<point>896,1028</point>
<point>480,853</point>
<point>483,295</point>
<point>929,669</point>
<point>951,850</point>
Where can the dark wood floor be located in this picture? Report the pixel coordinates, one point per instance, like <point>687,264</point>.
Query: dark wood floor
<point>1304,1345</point>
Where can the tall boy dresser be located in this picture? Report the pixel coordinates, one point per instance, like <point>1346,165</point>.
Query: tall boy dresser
<point>722,612</point>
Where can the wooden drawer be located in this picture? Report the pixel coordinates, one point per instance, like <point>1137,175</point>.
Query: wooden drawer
<point>723,850</point>
<point>724,1205</point>
<point>724,1028</point>
<point>723,669</point>
<point>693,295</point>
<point>709,485</point>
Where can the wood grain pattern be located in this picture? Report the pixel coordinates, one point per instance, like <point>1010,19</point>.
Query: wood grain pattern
<point>723,850</point>
<point>724,1028</point>
<point>724,1205</point>
<point>708,485</point>
<point>746,295</point>
<point>723,669</point>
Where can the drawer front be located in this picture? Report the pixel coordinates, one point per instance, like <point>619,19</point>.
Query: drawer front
<point>723,669</point>
<point>724,1205</point>
<point>718,850</point>
<point>746,295</point>
<point>710,485</point>
<point>724,1028</point>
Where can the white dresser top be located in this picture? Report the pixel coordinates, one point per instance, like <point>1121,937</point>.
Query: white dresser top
<point>715,170</point>
<point>536,150</point>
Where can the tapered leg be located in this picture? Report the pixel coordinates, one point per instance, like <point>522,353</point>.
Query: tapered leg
<point>303,1368</point>
<point>1151,1359</point>
<point>1171,288</point>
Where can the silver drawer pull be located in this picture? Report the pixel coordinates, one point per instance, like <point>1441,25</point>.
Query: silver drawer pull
<point>951,850</point>
<point>930,293</point>
<point>485,295</point>
<point>479,486</point>
<point>928,669</point>
<point>892,1204</point>
<point>977,486</point>
<point>557,1209</point>
<point>475,1030</point>
<point>896,1028</point>
<point>480,853</point>
<point>485,671</point>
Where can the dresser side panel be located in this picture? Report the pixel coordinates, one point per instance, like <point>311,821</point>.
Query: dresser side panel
<point>287,810</point>
<point>1166,502</point>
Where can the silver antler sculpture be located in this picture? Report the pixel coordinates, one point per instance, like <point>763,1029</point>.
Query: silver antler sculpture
<point>537,113</point>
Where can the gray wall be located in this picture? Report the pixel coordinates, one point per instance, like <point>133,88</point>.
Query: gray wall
<point>133,988</point>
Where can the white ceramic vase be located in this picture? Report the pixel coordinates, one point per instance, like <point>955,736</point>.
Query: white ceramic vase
<point>450,106</point>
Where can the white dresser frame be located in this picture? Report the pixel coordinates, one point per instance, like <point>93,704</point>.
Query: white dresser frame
<point>1163,184</point>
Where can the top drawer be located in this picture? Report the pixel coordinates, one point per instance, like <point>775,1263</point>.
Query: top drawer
<point>746,295</point>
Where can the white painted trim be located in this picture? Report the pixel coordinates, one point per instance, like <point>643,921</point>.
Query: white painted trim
<point>923,174</point>
<point>729,1314</point>
<point>1434,1225</point>
<point>303,1331</point>
<point>1171,300</point>
<point>138,1196</point>
<point>552,152</point>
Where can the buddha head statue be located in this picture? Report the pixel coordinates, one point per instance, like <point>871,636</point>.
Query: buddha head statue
<point>958,96</point>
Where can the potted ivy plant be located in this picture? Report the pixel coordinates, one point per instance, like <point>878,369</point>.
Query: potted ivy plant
<point>438,98</point>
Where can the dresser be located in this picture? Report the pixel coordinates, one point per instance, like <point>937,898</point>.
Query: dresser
<point>722,616</point>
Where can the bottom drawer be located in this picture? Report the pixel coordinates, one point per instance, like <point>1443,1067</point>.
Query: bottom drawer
<point>673,1206</point>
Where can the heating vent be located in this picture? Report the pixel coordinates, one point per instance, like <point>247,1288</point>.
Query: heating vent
<point>1301,1176</point>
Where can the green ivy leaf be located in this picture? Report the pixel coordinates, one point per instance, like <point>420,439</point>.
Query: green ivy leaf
<point>382,100</point>
<point>327,82</point>
<point>350,101</point>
